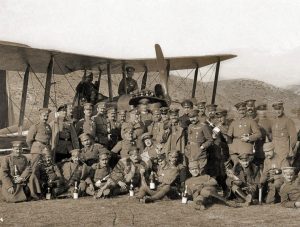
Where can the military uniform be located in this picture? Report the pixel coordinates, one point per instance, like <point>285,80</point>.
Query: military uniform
<point>290,193</point>
<point>114,133</point>
<point>90,155</point>
<point>123,147</point>
<point>86,126</point>
<point>156,129</point>
<point>201,107</point>
<point>8,165</point>
<point>199,139</point>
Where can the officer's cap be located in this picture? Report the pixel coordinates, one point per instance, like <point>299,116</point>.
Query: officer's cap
<point>288,169</point>
<point>104,152</point>
<point>87,106</point>
<point>277,105</point>
<point>201,104</point>
<point>221,112</point>
<point>161,156</point>
<point>112,110</point>
<point>250,102</point>
<point>174,112</point>
<point>261,107</point>
<point>122,112</point>
<point>187,103</point>
<point>144,101</point>
<point>62,108</point>
<point>193,113</point>
<point>89,75</point>
<point>85,136</point>
<point>164,110</point>
<point>240,105</point>
<point>268,146</point>
<point>44,110</point>
<point>245,157</point>
<point>134,150</point>
<point>17,143</point>
<point>146,135</point>
<point>130,69</point>
<point>211,107</point>
<point>193,165</point>
<point>101,105</point>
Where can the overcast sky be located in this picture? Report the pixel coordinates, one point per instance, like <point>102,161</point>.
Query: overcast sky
<point>265,34</point>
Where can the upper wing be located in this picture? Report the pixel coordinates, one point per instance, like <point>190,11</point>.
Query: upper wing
<point>15,57</point>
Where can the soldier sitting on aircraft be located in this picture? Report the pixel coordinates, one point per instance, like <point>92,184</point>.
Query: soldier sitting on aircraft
<point>15,172</point>
<point>128,84</point>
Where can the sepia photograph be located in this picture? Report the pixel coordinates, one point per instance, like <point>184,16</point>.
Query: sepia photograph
<point>149,113</point>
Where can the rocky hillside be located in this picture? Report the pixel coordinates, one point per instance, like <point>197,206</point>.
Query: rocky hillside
<point>294,88</point>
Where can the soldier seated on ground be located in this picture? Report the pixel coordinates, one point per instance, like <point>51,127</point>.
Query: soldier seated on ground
<point>202,188</point>
<point>51,179</point>
<point>271,177</point>
<point>166,176</point>
<point>75,170</point>
<point>243,179</point>
<point>290,190</point>
<point>15,172</point>
<point>101,172</point>
<point>91,150</point>
<point>150,151</point>
<point>127,172</point>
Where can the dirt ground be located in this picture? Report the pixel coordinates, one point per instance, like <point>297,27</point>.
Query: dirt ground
<point>123,211</point>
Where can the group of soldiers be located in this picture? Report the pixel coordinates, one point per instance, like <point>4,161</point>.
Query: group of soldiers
<point>155,152</point>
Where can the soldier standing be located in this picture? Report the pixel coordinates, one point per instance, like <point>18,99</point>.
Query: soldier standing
<point>64,137</point>
<point>101,124</point>
<point>251,110</point>
<point>199,139</point>
<point>201,107</point>
<point>87,124</point>
<point>284,135</point>
<point>39,136</point>
<point>146,116</point>
<point>15,172</point>
<point>244,132</point>
<point>184,119</point>
<point>156,128</point>
<point>121,116</point>
<point>113,128</point>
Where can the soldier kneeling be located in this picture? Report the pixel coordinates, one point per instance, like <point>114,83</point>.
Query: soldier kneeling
<point>202,188</point>
<point>243,179</point>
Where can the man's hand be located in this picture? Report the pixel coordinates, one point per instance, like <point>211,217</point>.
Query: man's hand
<point>91,186</point>
<point>122,185</point>
<point>11,190</point>
<point>245,138</point>
<point>19,180</point>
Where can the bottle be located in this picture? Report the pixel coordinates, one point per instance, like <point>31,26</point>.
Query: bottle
<point>260,195</point>
<point>17,174</point>
<point>48,194</point>
<point>184,196</point>
<point>75,192</point>
<point>152,183</point>
<point>131,189</point>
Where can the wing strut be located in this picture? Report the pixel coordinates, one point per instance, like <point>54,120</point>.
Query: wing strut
<point>213,98</point>
<point>48,83</point>
<point>144,79</point>
<point>195,81</point>
<point>23,100</point>
<point>109,82</point>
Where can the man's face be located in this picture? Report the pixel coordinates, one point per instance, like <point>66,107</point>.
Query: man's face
<point>201,110</point>
<point>174,118</point>
<point>161,162</point>
<point>86,142</point>
<point>44,117</point>
<point>122,117</point>
<point>112,116</point>
<point>148,142</point>
<point>211,113</point>
<point>62,114</point>
<point>134,157</point>
<point>89,78</point>
<point>261,114</point>
<point>130,73</point>
<point>250,109</point>
<point>128,135</point>
<point>165,117</point>
<point>278,112</point>
<point>103,160</point>
<point>194,120</point>
<point>101,110</point>
<point>88,112</point>
<point>288,175</point>
<point>269,154</point>
<point>143,107</point>
<point>222,119</point>
<point>173,159</point>
<point>47,159</point>
<point>156,117</point>
<point>244,163</point>
<point>242,112</point>
<point>187,109</point>
<point>194,171</point>
<point>75,157</point>
<point>17,151</point>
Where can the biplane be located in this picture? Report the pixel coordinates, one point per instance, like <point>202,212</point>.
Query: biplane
<point>22,58</point>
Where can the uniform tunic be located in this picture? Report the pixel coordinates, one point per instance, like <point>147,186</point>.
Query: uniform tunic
<point>101,128</point>
<point>86,126</point>
<point>38,137</point>
<point>90,155</point>
<point>7,174</point>
<point>123,147</point>
<point>158,131</point>
<point>284,135</point>
<point>290,193</point>
<point>240,127</point>
<point>131,86</point>
<point>264,125</point>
